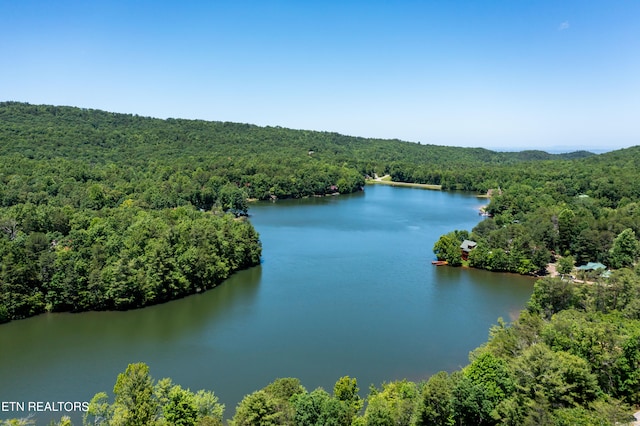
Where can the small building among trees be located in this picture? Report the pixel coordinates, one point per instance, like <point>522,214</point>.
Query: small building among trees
<point>466,247</point>
<point>592,266</point>
<point>593,270</point>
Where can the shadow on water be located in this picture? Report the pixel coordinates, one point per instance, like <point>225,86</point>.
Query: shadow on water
<point>52,350</point>
<point>158,322</point>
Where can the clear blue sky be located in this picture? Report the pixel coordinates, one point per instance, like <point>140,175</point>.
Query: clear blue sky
<point>497,74</point>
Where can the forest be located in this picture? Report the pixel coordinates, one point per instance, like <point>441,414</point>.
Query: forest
<point>579,213</point>
<point>114,211</point>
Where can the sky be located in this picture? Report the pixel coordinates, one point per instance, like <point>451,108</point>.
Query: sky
<point>557,75</point>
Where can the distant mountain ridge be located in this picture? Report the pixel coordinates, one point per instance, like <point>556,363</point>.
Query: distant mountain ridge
<point>270,162</point>
<point>43,131</point>
<point>533,155</point>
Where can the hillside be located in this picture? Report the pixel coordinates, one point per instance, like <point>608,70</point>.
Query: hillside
<point>239,152</point>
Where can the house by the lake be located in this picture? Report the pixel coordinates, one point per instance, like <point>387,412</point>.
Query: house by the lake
<point>595,266</point>
<point>466,247</point>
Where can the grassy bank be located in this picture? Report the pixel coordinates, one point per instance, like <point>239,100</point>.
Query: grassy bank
<point>410,185</point>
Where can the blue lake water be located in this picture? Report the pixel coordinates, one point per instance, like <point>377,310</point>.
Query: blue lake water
<point>346,287</point>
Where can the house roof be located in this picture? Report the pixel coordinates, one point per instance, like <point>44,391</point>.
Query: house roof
<point>592,266</point>
<point>468,245</point>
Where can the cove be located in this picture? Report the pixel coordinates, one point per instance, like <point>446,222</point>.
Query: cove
<point>345,288</point>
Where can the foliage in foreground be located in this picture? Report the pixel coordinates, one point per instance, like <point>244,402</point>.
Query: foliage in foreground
<point>140,401</point>
<point>571,358</point>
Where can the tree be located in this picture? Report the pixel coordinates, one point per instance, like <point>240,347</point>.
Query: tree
<point>625,249</point>
<point>310,407</point>
<point>627,369</point>
<point>436,405</point>
<point>471,405</point>
<point>565,265</point>
<point>318,408</point>
<point>208,407</point>
<point>258,409</point>
<point>135,403</point>
<point>4,313</point>
<point>233,199</point>
<point>551,295</point>
<point>99,411</point>
<point>448,248</point>
<point>346,391</point>
<point>567,228</point>
<point>284,388</point>
<point>138,401</point>
<point>181,409</point>
<point>559,378</point>
<point>498,260</point>
<point>394,405</point>
<point>493,374</point>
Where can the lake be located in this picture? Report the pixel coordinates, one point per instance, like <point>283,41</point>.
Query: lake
<point>346,287</point>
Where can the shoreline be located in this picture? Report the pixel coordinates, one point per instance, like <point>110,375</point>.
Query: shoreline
<point>386,180</point>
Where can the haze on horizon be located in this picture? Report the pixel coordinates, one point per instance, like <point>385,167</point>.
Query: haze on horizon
<point>556,76</point>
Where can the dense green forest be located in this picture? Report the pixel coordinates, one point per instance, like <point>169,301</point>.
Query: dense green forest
<point>193,158</point>
<point>576,212</point>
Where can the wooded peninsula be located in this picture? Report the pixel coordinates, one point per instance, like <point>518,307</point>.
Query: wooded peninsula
<point>102,211</point>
